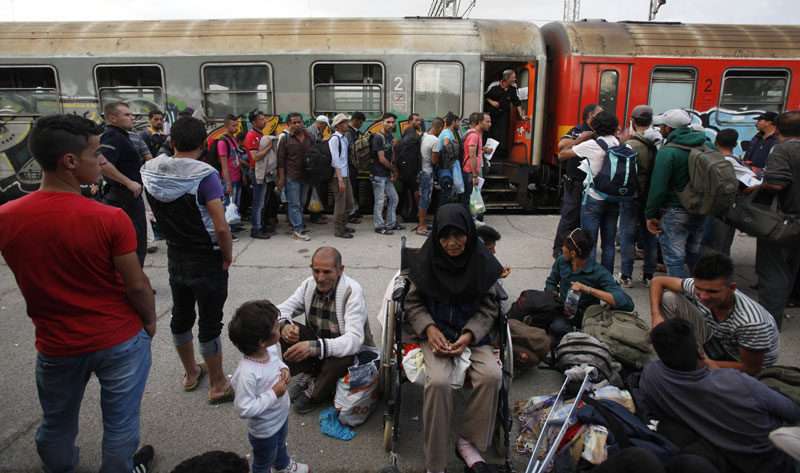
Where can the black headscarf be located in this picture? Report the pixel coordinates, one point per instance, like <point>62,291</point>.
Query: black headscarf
<point>458,280</point>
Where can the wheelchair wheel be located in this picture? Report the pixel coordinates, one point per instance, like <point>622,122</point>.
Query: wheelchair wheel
<point>498,439</point>
<point>388,429</point>
<point>387,353</point>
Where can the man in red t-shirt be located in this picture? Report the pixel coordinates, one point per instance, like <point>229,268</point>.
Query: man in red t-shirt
<point>256,154</point>
<point>479,123</point>
<point>92,305</point>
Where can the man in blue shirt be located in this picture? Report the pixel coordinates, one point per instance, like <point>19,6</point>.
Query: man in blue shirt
<point>575,270</point>
<point>342,189</point>
<point>763,141</point>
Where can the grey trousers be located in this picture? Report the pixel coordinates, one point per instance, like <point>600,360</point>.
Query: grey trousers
<point>477,422</point>
<point>676,306</point>
<point>776,267</point>
<point>342,204</point>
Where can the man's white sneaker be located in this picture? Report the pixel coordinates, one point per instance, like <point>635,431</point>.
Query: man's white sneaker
<point>293,467</point>
<point>300,236</point>
<point>623,280</point>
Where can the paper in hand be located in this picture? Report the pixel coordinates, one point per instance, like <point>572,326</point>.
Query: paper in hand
<point>491,143</point>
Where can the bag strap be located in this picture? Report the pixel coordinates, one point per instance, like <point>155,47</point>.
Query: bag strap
<point>672,144</point>
<point>611,422</point>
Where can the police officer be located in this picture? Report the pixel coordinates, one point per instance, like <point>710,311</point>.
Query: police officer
<point>123,187</point>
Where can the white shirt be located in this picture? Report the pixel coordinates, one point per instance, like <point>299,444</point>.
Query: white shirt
<point>594,155</point>
<point>339,161</point>
<point>430,144</point>
<point>255,400</point>
<point>745,175</point>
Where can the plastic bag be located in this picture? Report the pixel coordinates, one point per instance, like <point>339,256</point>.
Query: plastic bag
<point>357,392</point>
<point>476,205</point>
<point>414,366</point>
<point>315,205</point>
<point>458,179</point>
<point>232,215</point>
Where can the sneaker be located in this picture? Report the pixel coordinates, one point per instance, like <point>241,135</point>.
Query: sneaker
<point>383,231</point>
<point>234,237</point>
<point>293,467</point>
<point>300,385</point>
<point>259,235</point>
<point>268,229</point>
<point>152,249</point>
<point>623,281</point>
<point>399,227</point>
<point>478,223</point>
<point>144,459</point>
<point>305,402</point>
<point>646,280</point>
<point>306,231</point>
<point>300,236</point>
<point>349,230</point>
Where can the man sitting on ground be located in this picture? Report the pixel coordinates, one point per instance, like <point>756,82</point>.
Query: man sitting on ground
<point>714,413</point>
<point>337,327</point>
<point>734,330</point>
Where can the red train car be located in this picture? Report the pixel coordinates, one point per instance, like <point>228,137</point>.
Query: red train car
<point>724,75</point>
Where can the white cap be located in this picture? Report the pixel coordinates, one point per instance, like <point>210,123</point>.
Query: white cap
<point>323,118</point>
<point>339,119</point>
<point>675,118</point>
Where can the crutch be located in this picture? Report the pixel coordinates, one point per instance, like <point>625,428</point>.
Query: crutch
<point>539,466</point>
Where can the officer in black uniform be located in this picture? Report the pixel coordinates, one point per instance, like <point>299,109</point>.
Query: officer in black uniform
<point>123,187</point>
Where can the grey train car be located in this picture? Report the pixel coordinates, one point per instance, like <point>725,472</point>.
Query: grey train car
<point>312,66</point>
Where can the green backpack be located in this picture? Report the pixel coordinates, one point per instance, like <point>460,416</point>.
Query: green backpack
<point>786,379</point>
<point>625,334</point>
<point>712,181</point>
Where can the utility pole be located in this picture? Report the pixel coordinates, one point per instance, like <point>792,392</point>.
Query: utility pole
<point>572,10</point>
<point>449,8</point>
<point>654,6</point>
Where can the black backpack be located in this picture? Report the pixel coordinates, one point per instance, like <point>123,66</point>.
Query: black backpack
<point>317,161</point>
<point>211,154</point>
<point>536,308</point>
<point>410,156</point>
<point>451,152</point>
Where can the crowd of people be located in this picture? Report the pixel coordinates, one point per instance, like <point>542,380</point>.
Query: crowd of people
<point>710,337</point>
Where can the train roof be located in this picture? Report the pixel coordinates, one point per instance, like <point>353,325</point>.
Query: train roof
<point>601,38</point>
<point>492,39</point>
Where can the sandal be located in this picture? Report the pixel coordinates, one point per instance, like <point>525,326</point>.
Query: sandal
<point>423,233</point>
<point>227,397</point>
<point>344,235</point>
<point>196,384</point>
<point>353,220</point>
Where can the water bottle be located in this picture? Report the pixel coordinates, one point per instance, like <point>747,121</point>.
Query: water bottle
<point>571,303</point>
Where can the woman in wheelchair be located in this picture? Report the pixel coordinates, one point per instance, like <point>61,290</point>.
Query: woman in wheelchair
<point>450,305</point>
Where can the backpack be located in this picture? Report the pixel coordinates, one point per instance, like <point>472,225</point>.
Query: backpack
<point>530,345</point>
<point>786,379</point>
<point>616,181</point>
<point>536,308</point>
<point>211,155</point>
<point>449,154</point>
<point>409,160</point>
<point>712,181</point>
<point>361,152</point>
<point>761,220</point>
<point>317,161</point>
<point>578,348</point>
<point>625,334</point>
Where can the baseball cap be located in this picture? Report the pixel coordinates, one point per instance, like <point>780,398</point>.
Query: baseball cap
<point>642,111</point>
<point>339,119</point>
<point>675,118</point>
<point>323,118</point>
<point>768,116</point>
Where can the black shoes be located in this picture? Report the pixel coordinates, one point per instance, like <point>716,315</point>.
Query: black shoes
<point>144,459</point>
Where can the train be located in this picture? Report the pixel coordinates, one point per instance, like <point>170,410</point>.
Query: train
<point>724,75</point>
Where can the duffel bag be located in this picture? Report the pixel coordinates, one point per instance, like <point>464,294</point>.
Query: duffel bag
<point>625,334</point>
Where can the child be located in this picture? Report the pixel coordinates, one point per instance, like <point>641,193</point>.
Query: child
<point>260,382</point>
<point>490,237</point>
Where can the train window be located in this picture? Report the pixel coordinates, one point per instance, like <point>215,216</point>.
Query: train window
<point>347,87</point>
<point>28,90</point>
<point>237,88</point>
<point>609,83</point>
<point>437,89</point>
<point>671,88</point>
<point>753,89</point>
<point>140,86</point>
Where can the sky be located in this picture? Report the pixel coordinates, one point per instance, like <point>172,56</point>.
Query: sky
<point>539,11</point>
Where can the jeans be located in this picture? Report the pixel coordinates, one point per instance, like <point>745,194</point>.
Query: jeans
<point>717,235</point>
<point>631,219</point>
<point>296,192</point>
<point>384,187</point>
<point>600,217</point>
<point>446,186</point>
<point>681,234</point>
<point>425,189</point>
<point>270,452</point>
<point>570,211</point>
<point>236,193</point>
<point>61,380</point>
<point>206,284</point>
<point>260,197</point>
<point>467,176</point>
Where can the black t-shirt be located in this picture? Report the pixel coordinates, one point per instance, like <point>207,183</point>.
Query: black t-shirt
<point>505,97</point>
<point>573,163</point>
<point>383,143</point>
<point>118,150</point>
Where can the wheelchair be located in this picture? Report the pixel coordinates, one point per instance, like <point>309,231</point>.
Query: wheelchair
<point>392,350</point>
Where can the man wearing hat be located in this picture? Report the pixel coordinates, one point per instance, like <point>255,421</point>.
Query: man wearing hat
<point>763,141</point>
<point>342,190</point>
<point>644,142</point>
<point>317,133</point>
<point>680,232</point>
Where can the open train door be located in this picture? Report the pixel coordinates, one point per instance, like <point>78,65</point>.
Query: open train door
<point>521,131</point>
<point>606,85</point>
